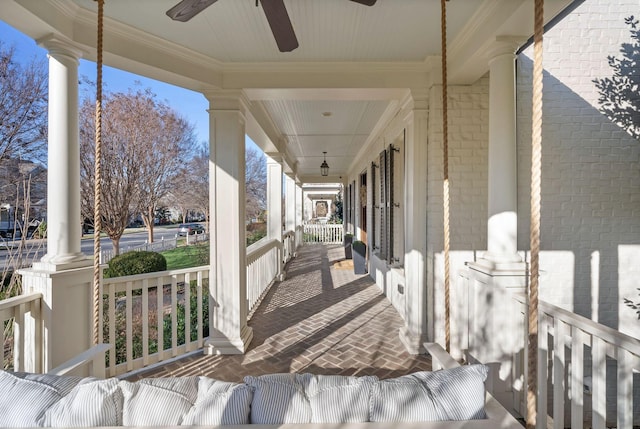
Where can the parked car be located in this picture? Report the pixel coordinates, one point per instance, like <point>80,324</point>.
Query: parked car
<point>190,229</point>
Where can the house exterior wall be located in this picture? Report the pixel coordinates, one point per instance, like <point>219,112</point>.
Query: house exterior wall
<point>590,219</point>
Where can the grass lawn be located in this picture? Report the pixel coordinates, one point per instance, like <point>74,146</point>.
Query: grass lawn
<point>187,256</point>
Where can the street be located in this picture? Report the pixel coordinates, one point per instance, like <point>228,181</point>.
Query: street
<point>35,249</point>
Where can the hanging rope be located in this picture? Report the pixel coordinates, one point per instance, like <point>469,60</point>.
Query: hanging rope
<point>536,173</point>
<point>97,209</point>
<point>445,167</point>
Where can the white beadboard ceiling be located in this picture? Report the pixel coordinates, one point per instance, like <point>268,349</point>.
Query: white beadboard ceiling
<point>355,62</point>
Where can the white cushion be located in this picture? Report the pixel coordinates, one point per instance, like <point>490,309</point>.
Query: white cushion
<point>340,399</point>
<point>220,403</point>
<point>280,398</point>
<point>158,401</point>
<point>90,403</point>
<point>451,394</point>
<point>24,398</point>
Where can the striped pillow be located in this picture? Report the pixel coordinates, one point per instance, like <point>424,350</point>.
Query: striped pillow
<point>158,401</point>
<point>24,398</point>
<point>90,403</point>
<point>220,403</point>
<point>280,398</point>
<point>354,394</point>
<point>451,394</point>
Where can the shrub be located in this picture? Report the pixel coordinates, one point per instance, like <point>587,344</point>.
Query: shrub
<point>131,263</point>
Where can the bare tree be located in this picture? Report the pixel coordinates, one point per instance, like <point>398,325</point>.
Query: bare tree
<point>123,139</point>
<point>255,183</point>
<point>23,107</point>
<point>143,141</point>
<point>191,190</point>
<point>169,141</point>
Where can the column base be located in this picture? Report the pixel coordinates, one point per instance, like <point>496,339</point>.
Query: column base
<point>500,264</point>
<point>63,263</point>
<point>222,345</point>
<point>413,343</point>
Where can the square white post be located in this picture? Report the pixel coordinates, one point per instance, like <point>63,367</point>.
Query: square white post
<point>229,332</point>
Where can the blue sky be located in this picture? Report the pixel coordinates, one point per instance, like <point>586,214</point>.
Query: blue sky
<point>192,105</point>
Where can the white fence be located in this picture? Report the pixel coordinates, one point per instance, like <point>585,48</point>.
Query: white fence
<point>316,233</point>
<point>16,313</point>
<point>149,318</point>
<point>157,246</point>
<point>264,265</point>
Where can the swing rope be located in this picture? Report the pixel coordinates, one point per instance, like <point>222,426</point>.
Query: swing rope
<point>536,173</point>
<point>445,166</point>
<point>97,219</point>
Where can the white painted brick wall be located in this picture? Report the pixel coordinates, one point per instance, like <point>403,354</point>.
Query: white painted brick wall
<point>590,234</point>
<point>468,112</point>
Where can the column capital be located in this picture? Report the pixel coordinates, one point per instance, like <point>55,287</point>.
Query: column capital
<point>274,158</point>
<point>227,99</point>
<point>416,99</point>
<point>503,45</point>
<point>61,46</point>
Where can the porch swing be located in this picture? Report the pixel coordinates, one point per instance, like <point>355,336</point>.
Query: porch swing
<point>434,349</point>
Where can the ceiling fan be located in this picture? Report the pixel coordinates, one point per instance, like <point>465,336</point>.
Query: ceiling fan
<point>274,10</point>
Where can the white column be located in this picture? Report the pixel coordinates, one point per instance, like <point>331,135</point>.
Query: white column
<point>274,197</point>
<point>228,326</point>
<point>64,275</point>
<point>299,205</point>
<point>290,204</point>
<point>274,203</point>
<point>502,225</point>
<point>414,333</point>
<point>64,229</point>
<point>299,215</point>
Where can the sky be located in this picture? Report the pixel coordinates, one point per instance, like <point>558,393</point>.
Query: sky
<point>191,105</point>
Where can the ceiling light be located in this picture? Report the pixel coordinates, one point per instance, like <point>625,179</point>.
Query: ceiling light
<point>324,167</point>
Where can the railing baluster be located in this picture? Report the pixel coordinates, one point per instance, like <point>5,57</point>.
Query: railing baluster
<point>199,305</point>
<point>558,373</point>
<point>160,317</point>
<point>145,322</point>
<point>18,338</point>
<point>174,315</point>
<point>599,383</point>
<point>187,312</point>
<point>625,390</point>
<point>129,324</point>
<point>577,378</point>
<point>543,369</point>
<point>112,328</point>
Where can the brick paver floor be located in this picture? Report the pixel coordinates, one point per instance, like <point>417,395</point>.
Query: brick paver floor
<point>322,319</point>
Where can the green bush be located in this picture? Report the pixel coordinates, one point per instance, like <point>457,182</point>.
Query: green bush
<point>131,263</point>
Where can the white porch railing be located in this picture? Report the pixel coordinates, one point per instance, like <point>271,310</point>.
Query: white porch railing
<point>149,318</point>
<point>585,371</point>
<point>264,265</point>
<point>15,313</point>
<point>317,233</point>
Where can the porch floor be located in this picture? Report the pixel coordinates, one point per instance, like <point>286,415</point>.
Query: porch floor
<point>322,319</point>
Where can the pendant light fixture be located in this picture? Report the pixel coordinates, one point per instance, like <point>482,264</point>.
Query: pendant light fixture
<point>324,167</point>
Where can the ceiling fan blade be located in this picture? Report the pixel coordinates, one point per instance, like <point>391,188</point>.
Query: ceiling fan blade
<point>280,24</point>
<point>366,2</point>
<point>187,9</point>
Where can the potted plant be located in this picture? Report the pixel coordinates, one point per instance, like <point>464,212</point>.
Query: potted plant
<point>348,239</point>
<point>359,257</point>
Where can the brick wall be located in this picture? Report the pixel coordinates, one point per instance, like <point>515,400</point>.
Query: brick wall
<point>590,235</point>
